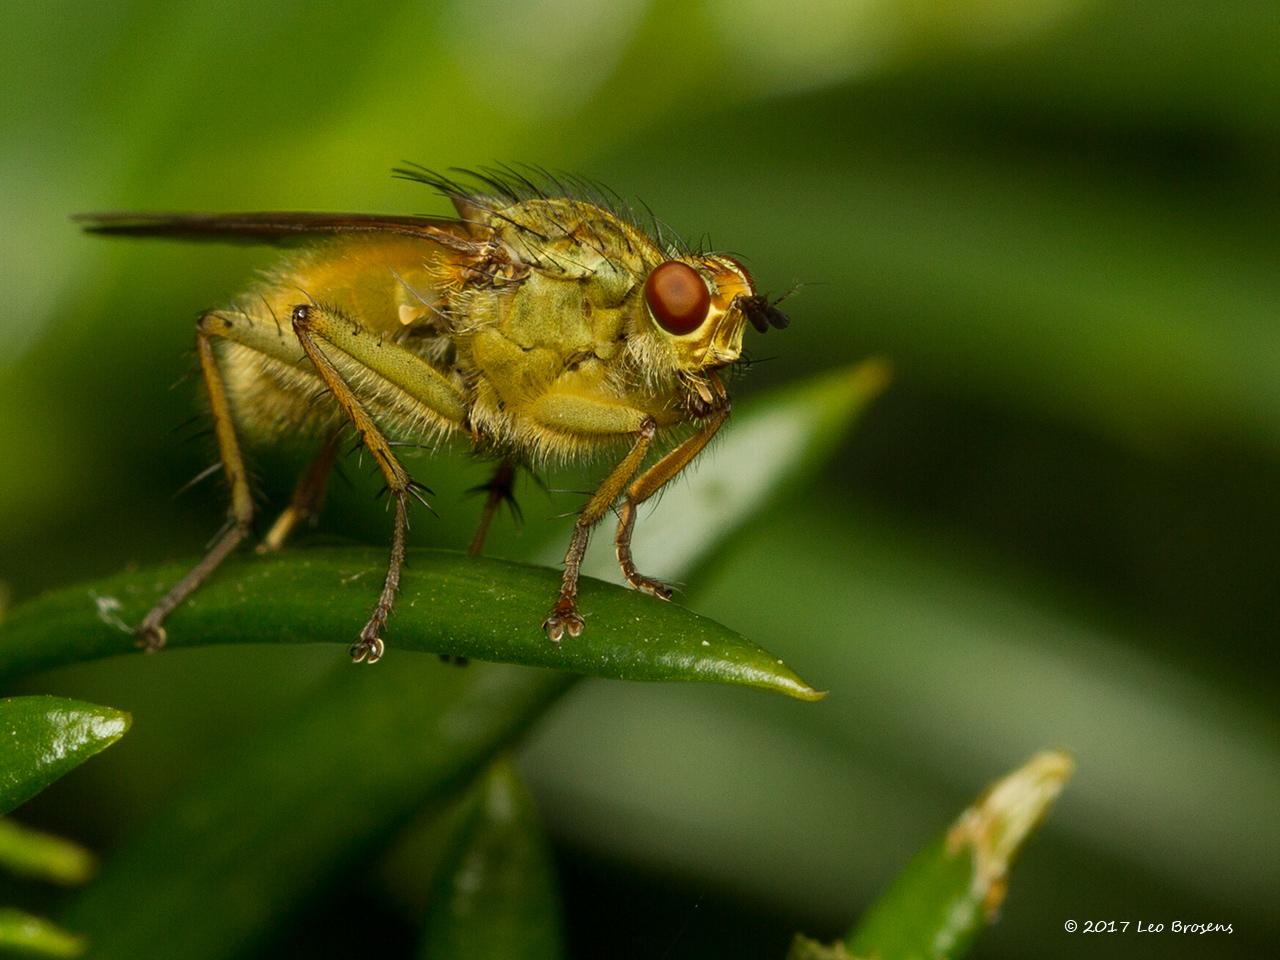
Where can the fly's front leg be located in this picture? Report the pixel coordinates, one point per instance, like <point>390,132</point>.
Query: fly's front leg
<point>580,415</point>
<point>649,483</point>
<point>412,381</point>
<point>150,632</point>
<point>564,615</point>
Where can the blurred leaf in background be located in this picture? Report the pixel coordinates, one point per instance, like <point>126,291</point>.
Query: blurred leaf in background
<point>940,902</point>
<point>953,889</point>
<point>1055,218</point>
<point>41,740</point>
<point>496,895</point>
<point>44,738</point>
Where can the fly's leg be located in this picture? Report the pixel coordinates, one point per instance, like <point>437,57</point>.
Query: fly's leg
<point>500,488</point>
<point>307,497</point>
<point>416,382</point>
<point>369,647</point>
<point>582,416</point>
<point>649,483</point>
<point>150,632</point>
<point>564,616</point>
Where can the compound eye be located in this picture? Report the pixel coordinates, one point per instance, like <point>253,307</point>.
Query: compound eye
<point>677,297</point>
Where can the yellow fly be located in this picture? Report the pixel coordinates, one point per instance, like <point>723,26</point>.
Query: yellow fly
<point>537,325</point>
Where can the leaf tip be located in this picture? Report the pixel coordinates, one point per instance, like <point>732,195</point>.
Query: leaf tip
<point>22,932</point>
<point>871,377</point>
<point>110,725</point>
<point>785,681</point>
<point>1001,820</point>
<point>844,391</point>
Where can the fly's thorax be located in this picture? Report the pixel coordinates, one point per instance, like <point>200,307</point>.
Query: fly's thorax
<point>567,314</point>
<point>548,332</point>
<point>580,270</point>
<point>571,237</point>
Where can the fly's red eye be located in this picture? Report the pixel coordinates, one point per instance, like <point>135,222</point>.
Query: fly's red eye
<point>677,296</point>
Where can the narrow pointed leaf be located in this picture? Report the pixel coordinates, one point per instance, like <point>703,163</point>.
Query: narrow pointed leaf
<point>496,893</point>
<point>43,738</point>
<point>21,933</point>
<point>448,603</point>
<point>43,856</point>
<point>954,887</point>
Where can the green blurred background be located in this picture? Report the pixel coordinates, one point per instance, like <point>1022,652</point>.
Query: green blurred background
<point>1056,218</point>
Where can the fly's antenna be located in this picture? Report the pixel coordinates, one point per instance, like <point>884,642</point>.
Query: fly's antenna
<point>797,287</point>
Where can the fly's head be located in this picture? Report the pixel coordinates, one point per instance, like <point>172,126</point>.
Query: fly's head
<point>681,314</point>
<point>699,306</point>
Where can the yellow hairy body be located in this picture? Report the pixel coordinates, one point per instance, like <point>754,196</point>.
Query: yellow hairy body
<point>535,328</point>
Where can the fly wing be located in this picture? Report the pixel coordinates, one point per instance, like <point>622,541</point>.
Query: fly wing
<point>273,228</point>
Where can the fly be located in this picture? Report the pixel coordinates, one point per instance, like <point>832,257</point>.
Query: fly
<point>535,326</point>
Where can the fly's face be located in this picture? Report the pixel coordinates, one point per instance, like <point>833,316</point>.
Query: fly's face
<point>699,306</point>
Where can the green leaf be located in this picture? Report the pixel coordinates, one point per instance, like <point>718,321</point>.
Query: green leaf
<point>22,933</point>
<point>252,837</point>
<point>496,893</point>
<point>316,790</point>
<point>43,738</point>
<point>448,603</point>
<point>954,887</point>
<point>43,856</point>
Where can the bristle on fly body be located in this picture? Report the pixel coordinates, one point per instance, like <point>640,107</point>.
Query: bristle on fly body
<point>496,187</point>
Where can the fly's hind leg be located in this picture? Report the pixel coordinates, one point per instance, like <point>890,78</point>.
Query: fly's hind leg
<point>308,495</point>
<point>649,483</point>
<point>150,632</point>
<point>414,382</point>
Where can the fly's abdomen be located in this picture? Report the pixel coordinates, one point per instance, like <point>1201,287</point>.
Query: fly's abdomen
<point>385,289</point>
